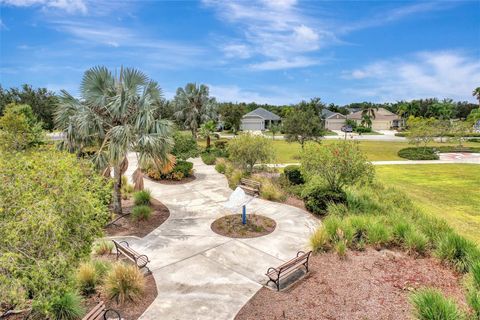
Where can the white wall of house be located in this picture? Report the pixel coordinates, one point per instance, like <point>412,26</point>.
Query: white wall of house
<point>334,124</point>
<point>252,124</point>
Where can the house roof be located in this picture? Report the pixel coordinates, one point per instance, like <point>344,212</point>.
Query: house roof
<point>326,114</point>
<point>380,114</point>
<point>264,114</point>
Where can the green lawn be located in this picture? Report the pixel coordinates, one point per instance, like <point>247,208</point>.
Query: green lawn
<point>450,191</point>
<point>375,150</point>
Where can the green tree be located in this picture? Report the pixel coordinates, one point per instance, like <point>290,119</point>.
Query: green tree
<point>194,106</point>
<point>459,130</point>
<point>442,110</point>
<point>184,146</point>
<point>407,109</point>
<point>368,113</point>
<point>117,113</point>
<point>207,130</point>
<point>52,207</point>
<point>474,116</point>
<point>274,129</point>
<point>231,115</point>
<point>247,150</point>
<point>421,130</point>
<point>19,128</point>
<point>42,102</point>
<point>338,164</point>
<point>476,94</point>
<point>303,124</point>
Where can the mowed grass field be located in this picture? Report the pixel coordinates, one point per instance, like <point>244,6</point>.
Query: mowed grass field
<point>287,152</point>
<point>449,191</point>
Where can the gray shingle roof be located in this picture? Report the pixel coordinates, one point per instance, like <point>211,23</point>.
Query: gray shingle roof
<point>327,114</point>
<point>265,114</point>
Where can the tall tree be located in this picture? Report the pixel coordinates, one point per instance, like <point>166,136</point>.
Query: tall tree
<point>41,101</point>
<point>368,113</point>
<point>194,106</point>
<point>117,113</point>
<point>207,130</point>
<point>303,124</point>
<point>231,115</point>
<point>476,94</point>
<point>442,110</point>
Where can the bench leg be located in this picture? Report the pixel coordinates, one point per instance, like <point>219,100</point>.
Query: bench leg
<point>278,284</point>
<point>306,265</point>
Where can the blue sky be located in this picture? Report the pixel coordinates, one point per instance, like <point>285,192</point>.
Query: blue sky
<point>271,51</point>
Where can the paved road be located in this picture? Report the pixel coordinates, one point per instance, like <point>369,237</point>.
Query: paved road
<point>202,275</point>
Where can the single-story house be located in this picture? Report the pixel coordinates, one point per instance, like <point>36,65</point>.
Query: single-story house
<point>259,120</point>
<point>333,120</point>
<point>384,119</point>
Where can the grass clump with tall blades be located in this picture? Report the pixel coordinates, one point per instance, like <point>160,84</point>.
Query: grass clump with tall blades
<point>124,283</point>
<point>430,304</point>
<point>142,197</point>
<point>68,307</point>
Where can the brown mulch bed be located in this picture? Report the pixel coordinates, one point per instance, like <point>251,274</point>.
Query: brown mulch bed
<point>366,285</point>
<point>231,226</point>
<point>127,227</point>
<point>129,310</point>
<point>170,181</point>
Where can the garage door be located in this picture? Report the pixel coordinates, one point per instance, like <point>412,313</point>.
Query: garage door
<point>252,125</point>
<point>334,124</point>
<point>380,125</point>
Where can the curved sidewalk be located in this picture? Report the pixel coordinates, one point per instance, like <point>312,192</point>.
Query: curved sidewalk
<point>200,274</point>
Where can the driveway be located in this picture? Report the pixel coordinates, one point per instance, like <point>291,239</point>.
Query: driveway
<point>200,274</point>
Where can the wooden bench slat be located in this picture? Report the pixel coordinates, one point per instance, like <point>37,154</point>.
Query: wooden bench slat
<point>95,312</point>
<point>287,268</point>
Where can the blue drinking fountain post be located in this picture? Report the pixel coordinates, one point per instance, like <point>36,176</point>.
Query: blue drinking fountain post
<point>244,214</point>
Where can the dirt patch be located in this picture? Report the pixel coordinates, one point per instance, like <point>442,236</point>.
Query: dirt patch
<point>171,181</point>
<point>366,285</point>
<point>231,226</point>
<point>127,227</point>
<point>295,202</point>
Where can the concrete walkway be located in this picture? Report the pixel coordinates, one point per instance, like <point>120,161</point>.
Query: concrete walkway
<point>200,274</point>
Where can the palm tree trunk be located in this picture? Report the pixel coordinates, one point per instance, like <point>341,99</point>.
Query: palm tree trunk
<point>208,142</point>
<point>117,192</point>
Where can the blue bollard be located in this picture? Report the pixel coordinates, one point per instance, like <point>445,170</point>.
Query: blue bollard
<point>244,215</point>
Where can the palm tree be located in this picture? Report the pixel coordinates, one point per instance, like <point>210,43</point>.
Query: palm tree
<point>206,131</point>
<point>193,106</point>
<point>476,94</point>
<point>368,113</point>
<point>116,114</point>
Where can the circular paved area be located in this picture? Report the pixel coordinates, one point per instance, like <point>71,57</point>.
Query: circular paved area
<point>203,275</point>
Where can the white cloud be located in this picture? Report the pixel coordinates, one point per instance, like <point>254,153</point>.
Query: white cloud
<point>70,6</point>
<point>3,26</point>
<point>276,32</point>
<point>234,93</point>
<point>426,74</point>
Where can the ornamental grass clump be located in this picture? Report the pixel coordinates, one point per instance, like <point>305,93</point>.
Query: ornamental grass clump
<point>86,278</point>
<point>430,304</point>
<point>124,283</point>
<point>142,197</point>
<point>103,247</point>
<point>68,306</point>
<point>141,212</point>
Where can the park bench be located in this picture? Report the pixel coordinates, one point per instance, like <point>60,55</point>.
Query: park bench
<point>100,312</point>
<point>140,260</point>
<point>275,274</point>
<point>250,187</point>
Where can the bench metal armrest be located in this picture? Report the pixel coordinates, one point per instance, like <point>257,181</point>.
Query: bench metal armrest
<point>143,255</point>
<point>274,269</point>
<point>115,312</point>
<point>124,242</point>
<point>300,252</point>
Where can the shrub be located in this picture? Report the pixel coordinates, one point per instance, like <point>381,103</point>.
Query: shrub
<point>475,273</point>
<point>124,283</point>
<point>142,197</point>
<point>457,251</point>
<point>208,158</point>
<point>377,234</point>
<point>361,129</point>
<point>473,300</point>
<point>247,150</point>
<point>86,278</point>
<point>142,212</point>
<point>293,174</point>
<point>418,154</point>
<point>317,198</point>
<point>67,307</point>
<point>338,164</point>
<point>184,146</point>
<point>270,191</point>
<point>234,178</point>
<point>185,168</point>
<point>126,189</point>
<point>220,144</point>
<point>220,165</point>
<point>103,247</point>
<point>430,304</point>
<point>101,269</point>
